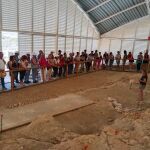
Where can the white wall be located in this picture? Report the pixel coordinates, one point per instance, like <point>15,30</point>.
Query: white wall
<point>48,25</point>
<point>131,37</point>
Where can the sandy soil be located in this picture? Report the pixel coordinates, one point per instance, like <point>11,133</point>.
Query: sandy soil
<point>61,87</point>
<point>89,128</point>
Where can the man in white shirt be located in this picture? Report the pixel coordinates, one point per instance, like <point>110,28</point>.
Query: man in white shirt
<point>118,58</point>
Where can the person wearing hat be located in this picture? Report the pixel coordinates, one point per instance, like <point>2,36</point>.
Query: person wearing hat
<point>139,61</point>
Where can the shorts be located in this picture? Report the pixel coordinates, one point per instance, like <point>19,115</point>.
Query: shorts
<point>142,87</point>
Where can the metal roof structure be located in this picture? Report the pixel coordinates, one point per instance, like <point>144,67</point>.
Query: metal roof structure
<point>110,14</point>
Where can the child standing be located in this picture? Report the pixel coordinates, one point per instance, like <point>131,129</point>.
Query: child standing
<point>142,82</point>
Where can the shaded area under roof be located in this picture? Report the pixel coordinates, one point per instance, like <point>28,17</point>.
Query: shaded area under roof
<point>110,14</point>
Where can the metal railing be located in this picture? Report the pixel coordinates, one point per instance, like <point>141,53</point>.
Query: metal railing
<point>77,69</point>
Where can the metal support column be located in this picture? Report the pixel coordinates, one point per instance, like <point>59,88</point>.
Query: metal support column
<point>87,34</point>
<point>122,35</point>
<point>109,45</point>
<point>44,25</point>
<point>56,46</point>
<point>81,33</point>
<point>32,28</point>
<point>66,26</point>
<point>18,24</point>
<point>136,28</point>
<point>99,44</point>
<point>92,40</point>
<point>74,27</point>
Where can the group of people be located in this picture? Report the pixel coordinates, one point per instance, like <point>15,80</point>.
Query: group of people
<point>61,64</point>
<point>141,59</point>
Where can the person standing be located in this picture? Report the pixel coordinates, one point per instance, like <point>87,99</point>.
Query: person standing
<point>95,60</point>
<point>125,57</point>
<point>27,75</point>
<point>118,58</point>
<point>17,60</point>
<point>85,56</point>
<point>82,60</point>
<point>50,64</point>
<point>131,60</point>
<point>70,64</point>
<point>111,60</point>
<point>100,59</point>
<point>12,66</point>
<point>146,60</point>
<point>23,68</point>
<point>34,66</point>
<point>139,62</point>
<point>2,71</point>
<point>61,64</point>
<point>89,62</point>
<point>55,67</point>
<point>77,62</point>
<point>106,58</point>
<point>142,86</point>
<point>65,66</point>
<point>40,53</point>
<point>43,65</point>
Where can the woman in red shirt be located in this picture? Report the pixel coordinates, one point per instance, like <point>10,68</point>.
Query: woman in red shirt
<point>61,65</point>
<point>131,60</point>
<point>43,65</point>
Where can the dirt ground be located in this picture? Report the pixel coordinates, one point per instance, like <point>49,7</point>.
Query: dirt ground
<point>89,128</point>
<point>61,87</point>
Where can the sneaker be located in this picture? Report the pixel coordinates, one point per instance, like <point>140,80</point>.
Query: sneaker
<point>28,81</point>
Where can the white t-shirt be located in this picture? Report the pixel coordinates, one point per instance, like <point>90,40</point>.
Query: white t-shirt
<point>2,64</point>
<point>118,57</point>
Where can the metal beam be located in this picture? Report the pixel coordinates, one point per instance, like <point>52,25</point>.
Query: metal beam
<point>66,26</point>
<point>148,6</point>
<point>74,24</point>
<point>101,4</point>
<point>81,9</point>
<point>120,12</point>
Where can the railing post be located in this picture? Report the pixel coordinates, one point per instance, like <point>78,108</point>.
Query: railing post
<point>66,70</point>
<point>12,80</point>
<point>42,71</point>
<point>1,123</point>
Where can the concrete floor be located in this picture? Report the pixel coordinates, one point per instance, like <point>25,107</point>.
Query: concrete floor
<point>22,115</point>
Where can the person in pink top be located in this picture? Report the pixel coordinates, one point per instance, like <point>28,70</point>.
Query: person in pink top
<point>43,65</point>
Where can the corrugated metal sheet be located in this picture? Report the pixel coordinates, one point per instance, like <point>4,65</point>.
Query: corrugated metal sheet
<point>110,14</point>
